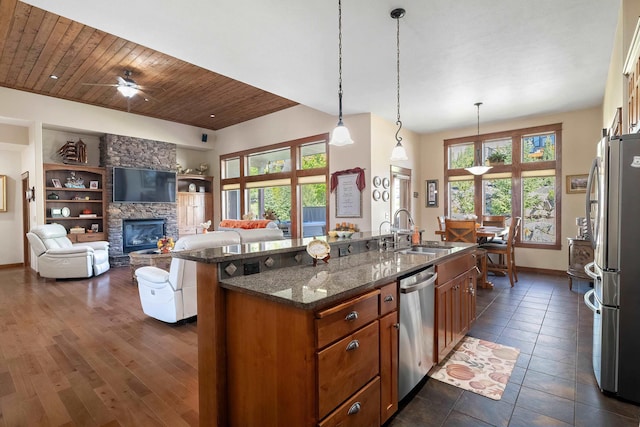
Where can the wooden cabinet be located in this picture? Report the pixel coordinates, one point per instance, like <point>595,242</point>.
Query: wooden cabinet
<point>580,254</point>
<point>336,366</point>
<point>75,197</point>
<point>455,302</point>
<point>195,202</point>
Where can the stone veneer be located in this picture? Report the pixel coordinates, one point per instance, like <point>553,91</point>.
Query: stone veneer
<point>125,151</point>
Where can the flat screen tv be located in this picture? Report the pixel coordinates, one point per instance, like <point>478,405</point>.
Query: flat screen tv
<point>132,185</point>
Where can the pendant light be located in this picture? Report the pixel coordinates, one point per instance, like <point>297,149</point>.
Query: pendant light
<point>478,168</point>
<point>340,135</point>
<point>398,153</point>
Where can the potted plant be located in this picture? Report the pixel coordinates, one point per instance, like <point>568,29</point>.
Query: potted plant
<point>497,157</point>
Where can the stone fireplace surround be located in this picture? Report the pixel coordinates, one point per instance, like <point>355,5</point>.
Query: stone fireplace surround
<point>125,151</point>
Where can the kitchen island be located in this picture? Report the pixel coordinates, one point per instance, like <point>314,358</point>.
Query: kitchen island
<point>281,347</point>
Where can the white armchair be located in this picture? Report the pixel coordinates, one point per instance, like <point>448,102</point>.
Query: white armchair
<point>58,258</point>
<point>172,296</point>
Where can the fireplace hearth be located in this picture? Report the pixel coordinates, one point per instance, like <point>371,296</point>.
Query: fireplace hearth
<point>138,234</point>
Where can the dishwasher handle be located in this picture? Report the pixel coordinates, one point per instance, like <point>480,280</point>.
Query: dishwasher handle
<point>432,277</point>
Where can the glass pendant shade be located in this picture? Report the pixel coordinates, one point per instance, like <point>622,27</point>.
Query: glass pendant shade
<point>399,153</point>
<point>340,136</point>
<point>127,91</point>
<point>478,169</point>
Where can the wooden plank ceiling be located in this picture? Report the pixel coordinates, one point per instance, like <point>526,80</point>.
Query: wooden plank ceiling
<point>35,44</point>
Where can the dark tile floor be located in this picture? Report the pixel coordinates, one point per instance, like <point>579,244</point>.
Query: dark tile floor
<point>552,383</point>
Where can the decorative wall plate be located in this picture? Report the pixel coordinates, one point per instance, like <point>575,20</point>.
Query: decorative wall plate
<point>192,187</point>
<point>385,196</point>
<point>318,249</point>
<point>376,195</point>
<point>66,212</point>
<point>377,181</point>
<point>385,182</point>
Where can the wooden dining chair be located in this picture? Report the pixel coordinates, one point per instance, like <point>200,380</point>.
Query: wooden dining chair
<point>494,220</point>
<point>441,226</point>
<point>460,230</point>
<point>506,262</point>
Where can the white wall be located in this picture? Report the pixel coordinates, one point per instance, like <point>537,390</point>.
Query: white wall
<point>11,220</point>
<point>383,139</point>
<point>580,133</point>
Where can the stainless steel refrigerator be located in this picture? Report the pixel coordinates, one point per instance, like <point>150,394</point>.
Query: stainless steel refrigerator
<point>614,207</point>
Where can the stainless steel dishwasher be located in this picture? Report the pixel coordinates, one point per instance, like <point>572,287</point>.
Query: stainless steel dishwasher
<point>417,318</point>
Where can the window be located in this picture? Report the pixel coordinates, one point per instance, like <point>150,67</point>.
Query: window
<point>289,179</point>
<point>522,182</point>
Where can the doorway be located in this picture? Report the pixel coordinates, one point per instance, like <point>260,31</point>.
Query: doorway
<point>26,250</point>
<point>401,193</point>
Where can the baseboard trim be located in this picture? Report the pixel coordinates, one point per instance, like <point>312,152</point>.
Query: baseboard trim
<point>541,271</point>
<point>19,264</point>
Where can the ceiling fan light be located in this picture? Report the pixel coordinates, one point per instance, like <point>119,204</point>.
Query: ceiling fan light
<point>127,91</point>
<point>340,136</point>
<point>399,153</point>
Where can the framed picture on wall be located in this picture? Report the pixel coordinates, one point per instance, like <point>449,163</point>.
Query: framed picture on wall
<point>577,183</point>
<point>431,193</point>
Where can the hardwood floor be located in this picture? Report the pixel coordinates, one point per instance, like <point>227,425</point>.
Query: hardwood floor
<point>81,352</point>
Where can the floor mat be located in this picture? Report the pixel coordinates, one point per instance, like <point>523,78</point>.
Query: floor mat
<point>479,366</point>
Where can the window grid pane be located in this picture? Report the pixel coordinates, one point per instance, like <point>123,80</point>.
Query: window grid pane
<point>539,207</point>
<point>461,194</point>
<point>313,156</point>
<point>497,151</point>
<point>539,148</point>
<point>269,162</point>
<point>461,156</point>
<point>496,196</point>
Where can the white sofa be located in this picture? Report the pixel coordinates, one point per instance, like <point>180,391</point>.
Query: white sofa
<point>172,296</point>
<point>59,258</point>
<point>268,231</point>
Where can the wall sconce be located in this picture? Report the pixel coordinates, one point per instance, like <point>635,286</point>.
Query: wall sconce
<point>30,194</point>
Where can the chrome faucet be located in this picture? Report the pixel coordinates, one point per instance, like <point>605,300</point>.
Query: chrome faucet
<point>396,224</point>
<point>381,243</point>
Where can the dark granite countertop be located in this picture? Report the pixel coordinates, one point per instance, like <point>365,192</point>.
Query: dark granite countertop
<point>233,252</point>
<point>310,288</point>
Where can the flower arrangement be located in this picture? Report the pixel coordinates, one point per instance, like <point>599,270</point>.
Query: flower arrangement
<point>165,244</point>
<point>270,214</point>
<point>205,226</point>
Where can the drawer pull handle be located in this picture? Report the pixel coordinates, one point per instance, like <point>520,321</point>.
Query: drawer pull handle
<point>351,316</point>
<point>388,298</point>
<point>353,345</point>
<point>355,408</point>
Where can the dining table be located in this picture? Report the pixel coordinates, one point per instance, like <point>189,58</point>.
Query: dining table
<point>484,234</point>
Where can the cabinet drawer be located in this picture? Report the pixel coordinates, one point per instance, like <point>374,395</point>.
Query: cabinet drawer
<point>346,366</point>
<point>388,298</point>
<point>342,319</point>
<point>89,237</point>
<point>450,269</point>
<point>359,411</point>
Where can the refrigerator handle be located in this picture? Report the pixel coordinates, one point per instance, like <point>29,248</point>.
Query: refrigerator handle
<point>589,201</point>
<point>590,270</point>
<point>587,301</point>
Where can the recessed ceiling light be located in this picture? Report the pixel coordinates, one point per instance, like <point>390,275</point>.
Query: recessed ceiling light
<point>212,115</point>
<point>53,76</point>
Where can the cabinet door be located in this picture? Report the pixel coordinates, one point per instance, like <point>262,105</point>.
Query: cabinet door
<point>191,212</point>
<point>388,366</point>
<point>452,313</point>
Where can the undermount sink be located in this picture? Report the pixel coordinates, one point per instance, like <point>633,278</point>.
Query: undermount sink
<point>425,250</point>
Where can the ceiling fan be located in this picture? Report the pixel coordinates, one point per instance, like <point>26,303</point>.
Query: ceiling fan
<point>126,86</point>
